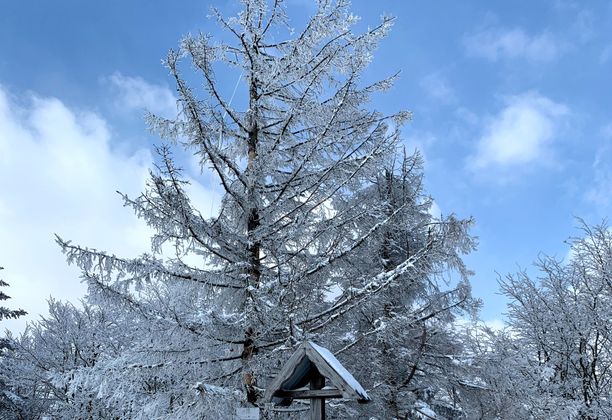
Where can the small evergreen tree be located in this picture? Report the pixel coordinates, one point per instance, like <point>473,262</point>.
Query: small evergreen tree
<point>9,401</point>
<point>6,313</point>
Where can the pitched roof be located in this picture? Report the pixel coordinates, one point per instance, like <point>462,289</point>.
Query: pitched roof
<point>308,359</point>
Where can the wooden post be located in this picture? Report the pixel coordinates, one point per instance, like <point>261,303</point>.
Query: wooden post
<point>317,405</point>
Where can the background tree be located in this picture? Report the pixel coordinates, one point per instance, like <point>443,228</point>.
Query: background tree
<point>291,254</point>
<point>555,360</point>
<point>9,401</point>
<point>6,313</point>
<point>404,340</point>
<point>55,363</point>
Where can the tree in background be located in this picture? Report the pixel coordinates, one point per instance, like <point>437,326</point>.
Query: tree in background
<point>404,341</point>
<point>6,313</point>
<point>555,359</point>
<point>9,401</point>
<point>56,363</point>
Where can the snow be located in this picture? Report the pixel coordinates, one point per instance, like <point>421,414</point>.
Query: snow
<point>341,370</point>
<point>425,411</point>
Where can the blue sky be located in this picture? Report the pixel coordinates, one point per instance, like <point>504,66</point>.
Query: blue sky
<point>511,100</point>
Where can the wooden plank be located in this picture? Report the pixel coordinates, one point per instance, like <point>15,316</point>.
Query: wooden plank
<point>317,409</point>
<point>317,405</point>
<point>285,373</point>
<point>309,393</point>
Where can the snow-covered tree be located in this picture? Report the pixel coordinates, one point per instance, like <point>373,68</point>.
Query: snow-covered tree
<point>311,240</point>
<point>405,337</point>
<point>6,313</point>
<point>494,386</point>
<point>54,367</point>
<point>9,401</point>
<point>555,360</point>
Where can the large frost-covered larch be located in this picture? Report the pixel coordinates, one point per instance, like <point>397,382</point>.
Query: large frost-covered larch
<point>324,233</point>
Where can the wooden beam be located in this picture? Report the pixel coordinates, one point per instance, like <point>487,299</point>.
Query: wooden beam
<point>309,393</point>
<point>285,373</point>
<point>317,405</point>
<point>329,372</point>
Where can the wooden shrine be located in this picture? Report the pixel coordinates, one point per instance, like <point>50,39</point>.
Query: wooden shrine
<point>304,376</point>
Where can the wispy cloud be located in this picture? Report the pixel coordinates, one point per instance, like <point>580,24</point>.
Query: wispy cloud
<point>438,87</point>
<point>136,94</point>
<point>606,54</point>
<point>606,131</point>
<point>584,26</point>
<point>598,192</point>
<point>520,134</point>
<point>583,18</point>
<point>495,43</point>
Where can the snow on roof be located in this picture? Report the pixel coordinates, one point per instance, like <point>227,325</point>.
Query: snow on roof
<point>340,369</point>
<point>308,359</point>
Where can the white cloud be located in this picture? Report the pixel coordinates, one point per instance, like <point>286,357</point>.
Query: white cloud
<point>520,134</point>
<point>59,172</point>
<point>600,184</point>
<point>497,43</point>
<point>135,93</point>
<point>436,86</point>
<point>206,201</point>
<point>606,54</point>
